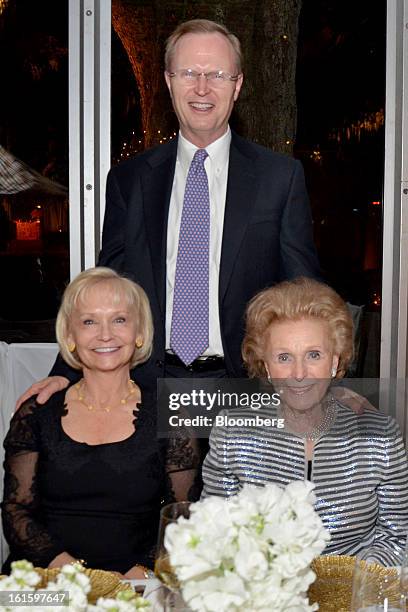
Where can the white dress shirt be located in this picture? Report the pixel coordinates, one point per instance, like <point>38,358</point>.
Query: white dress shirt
<point>216,167</point>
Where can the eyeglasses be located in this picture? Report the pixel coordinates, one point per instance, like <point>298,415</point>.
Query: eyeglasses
<point>217,78</point>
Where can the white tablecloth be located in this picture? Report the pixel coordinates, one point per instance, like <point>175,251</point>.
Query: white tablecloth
<point>20,366</point>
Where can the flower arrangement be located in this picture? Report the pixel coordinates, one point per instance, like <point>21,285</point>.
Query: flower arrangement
<point>21,585</point>
<point>250,552</point>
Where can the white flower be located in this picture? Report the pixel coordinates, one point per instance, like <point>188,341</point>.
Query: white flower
<point>251,562</point>
<point>23,574</point>
<point>112,605</point>
<point>125,602</point>
<point>187,540</point>
<point>72,579</point>
<point>212,594</point>
<point>250,552</point>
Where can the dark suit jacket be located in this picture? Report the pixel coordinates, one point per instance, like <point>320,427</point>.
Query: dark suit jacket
<point>267,235</point>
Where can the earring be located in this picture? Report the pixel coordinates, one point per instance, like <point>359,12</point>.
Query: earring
<point>139,343</point>
<point>333,372</point>
<point>72,347</point>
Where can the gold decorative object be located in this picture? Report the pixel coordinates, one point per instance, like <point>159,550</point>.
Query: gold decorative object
<point>103,584</point>
<point>333,586</point>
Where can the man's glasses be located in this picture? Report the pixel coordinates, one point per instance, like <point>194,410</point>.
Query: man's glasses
<point>216,78</point>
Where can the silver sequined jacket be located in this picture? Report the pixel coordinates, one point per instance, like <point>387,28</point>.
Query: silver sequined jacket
<point>359,469</point>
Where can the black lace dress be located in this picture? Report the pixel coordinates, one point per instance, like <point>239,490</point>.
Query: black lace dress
<point>96,502</point>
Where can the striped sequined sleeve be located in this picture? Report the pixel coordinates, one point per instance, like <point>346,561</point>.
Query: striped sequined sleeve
<point>218,478</point>
<point>392,520</point>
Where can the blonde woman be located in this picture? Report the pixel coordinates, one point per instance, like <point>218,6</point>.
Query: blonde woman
<point>85,474</point>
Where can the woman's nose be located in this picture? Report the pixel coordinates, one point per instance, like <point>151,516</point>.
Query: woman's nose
<point>299,370</point>
<point>105,332</point>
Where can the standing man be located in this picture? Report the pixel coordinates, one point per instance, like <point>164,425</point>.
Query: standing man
<point>205,221</point>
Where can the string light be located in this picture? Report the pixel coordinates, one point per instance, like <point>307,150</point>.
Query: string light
<point>316,156</point>
<point>369,123</point>
<point>135,144</point>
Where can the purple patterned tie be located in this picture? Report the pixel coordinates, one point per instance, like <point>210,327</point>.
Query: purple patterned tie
<point>189,325</point>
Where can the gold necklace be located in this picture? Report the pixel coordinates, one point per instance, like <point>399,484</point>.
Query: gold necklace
<point>81,398</point>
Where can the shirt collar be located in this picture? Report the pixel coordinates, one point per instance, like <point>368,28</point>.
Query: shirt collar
<point>218,151</point>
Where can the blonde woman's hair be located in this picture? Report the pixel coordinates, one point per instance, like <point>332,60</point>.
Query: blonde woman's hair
<point>118,286</point>
<point>302,298</point>
<point>202,26</point>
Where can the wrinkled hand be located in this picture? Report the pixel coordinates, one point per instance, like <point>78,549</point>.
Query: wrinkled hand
<point>135,573</point>
<point>44,388</point>
<point>352,400</point>
<point>62,559</point>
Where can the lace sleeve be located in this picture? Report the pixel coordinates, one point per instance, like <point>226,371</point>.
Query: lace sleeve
<point>21,507</point>
<point>182,463</point>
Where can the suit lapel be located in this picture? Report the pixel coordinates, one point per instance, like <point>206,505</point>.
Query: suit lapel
<point>238,206</point>
<point>157,185</point>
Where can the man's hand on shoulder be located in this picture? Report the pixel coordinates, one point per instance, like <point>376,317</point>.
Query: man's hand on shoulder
<point>44,389</point>
<point>351,399</point>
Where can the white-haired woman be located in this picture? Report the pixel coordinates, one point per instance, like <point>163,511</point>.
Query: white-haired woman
<point>85,474</point>
<point>299,336</point>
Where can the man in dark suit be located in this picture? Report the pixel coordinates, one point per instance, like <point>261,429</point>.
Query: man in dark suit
<point>256,209</point>
<point>267,234</point>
